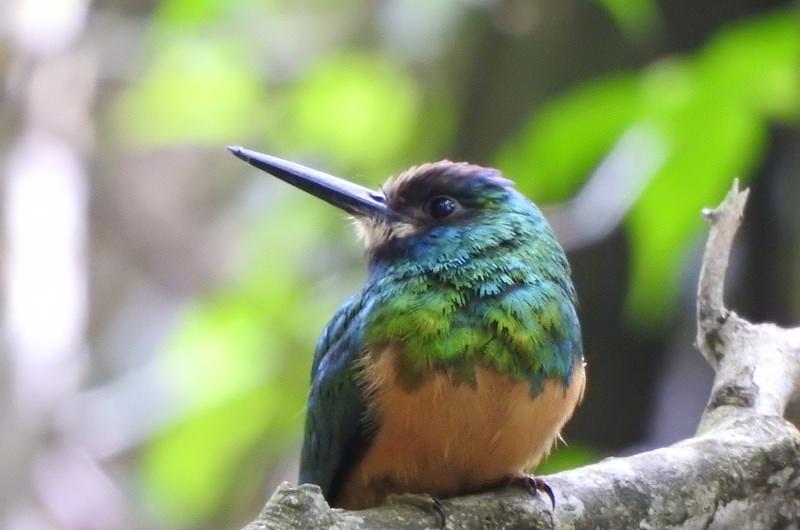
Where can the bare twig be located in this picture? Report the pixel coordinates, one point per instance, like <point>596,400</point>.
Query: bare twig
<point>725,221</point>
<point>757,365</point>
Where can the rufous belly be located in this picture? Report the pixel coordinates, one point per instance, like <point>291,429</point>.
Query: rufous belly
<point>446,439</point>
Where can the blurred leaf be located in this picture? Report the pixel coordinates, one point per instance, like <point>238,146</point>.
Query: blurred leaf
<point>567,457</point>
<point>193,91</point>
<point>190,470</point>
<point>711,139</point>
<point>360,109</point>
<point>710,113</point>
<point>568,136</point>
<point>239,364</point>
<point>758,62</point>
<point>222,342</point>
<point>189,13</point>
<point>194,15</point>
<point>635,17</point>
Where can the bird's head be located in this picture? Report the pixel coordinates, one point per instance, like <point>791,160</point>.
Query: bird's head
<point>433,213</point>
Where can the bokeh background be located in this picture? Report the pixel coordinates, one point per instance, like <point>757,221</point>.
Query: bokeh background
<point>160,299</point>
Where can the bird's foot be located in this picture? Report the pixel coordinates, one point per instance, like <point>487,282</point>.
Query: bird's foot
<point>425,502</point>
<point>534,485</point>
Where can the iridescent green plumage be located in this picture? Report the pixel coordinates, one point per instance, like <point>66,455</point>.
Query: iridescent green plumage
<point>477,291</point>
<point>493,289</point>
<point>489,288</point>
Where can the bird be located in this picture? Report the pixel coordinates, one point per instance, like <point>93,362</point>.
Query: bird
<point>455,366</point>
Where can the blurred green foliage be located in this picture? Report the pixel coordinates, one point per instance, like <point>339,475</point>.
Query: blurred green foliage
<point>709,112</point>
<point>173,14</point>
<point>239,360</point>
<point>636,17</point>
<point>370,107</point>
<point>194,90</point>
<point>567,457</point>
<point>558,149</point>
<point>712,112</point>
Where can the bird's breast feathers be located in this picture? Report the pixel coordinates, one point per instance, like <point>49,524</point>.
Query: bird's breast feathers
<point>446,437</point>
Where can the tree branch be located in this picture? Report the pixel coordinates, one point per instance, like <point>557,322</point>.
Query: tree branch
<point>757,365</point>
<point>742,469</point>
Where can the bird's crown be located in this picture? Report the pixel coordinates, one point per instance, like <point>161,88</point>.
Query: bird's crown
<point>434,195</point>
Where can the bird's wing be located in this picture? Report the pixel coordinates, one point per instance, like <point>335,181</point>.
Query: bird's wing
<point>335,433</point>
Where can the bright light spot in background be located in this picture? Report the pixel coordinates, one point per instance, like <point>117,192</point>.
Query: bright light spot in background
<point>47,26</point>
<point>45,286</point>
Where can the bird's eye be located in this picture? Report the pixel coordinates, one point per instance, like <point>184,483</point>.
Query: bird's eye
<point>441,207</point>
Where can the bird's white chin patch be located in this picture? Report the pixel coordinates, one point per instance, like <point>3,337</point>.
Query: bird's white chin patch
<point>374,233</point>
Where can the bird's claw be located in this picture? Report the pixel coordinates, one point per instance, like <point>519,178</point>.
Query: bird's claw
<point>441,514</point>
<point>535,485</point>
<point>424,502</point>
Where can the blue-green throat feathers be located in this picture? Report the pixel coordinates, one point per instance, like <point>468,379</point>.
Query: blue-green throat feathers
<point>488,288</point>
<point>468,305</point>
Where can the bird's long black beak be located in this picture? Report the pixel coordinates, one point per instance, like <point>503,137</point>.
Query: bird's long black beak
<point>352,198</point>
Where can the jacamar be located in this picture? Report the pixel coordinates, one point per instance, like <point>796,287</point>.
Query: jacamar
<point>456,365</point>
